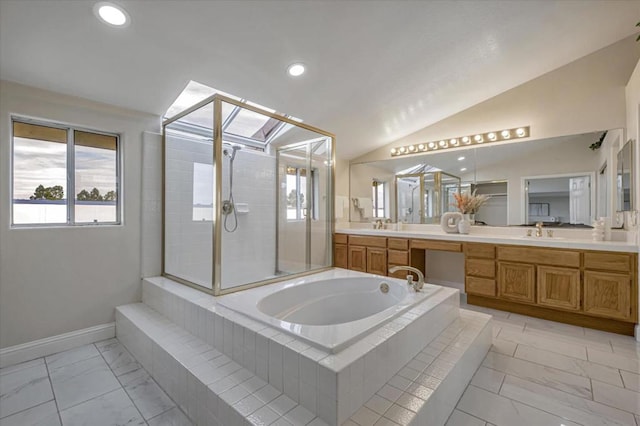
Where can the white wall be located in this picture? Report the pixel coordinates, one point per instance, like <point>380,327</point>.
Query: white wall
<point>57,280</point>
<point>586,95</point>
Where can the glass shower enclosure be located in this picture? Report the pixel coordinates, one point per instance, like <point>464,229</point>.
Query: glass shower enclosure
<point>247,196</point>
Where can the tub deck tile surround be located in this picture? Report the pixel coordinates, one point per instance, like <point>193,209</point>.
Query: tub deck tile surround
<point>322,382</point>
<point>230,396</point>
<point>331,386</point>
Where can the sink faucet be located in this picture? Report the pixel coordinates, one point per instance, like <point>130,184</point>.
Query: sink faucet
<point>416,286</point>
<point>539,229</point>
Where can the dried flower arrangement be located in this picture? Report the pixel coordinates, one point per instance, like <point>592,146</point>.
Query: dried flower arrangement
<point>468,203</point>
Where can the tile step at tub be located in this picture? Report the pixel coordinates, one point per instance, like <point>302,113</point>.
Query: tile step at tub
<point>213,389</point>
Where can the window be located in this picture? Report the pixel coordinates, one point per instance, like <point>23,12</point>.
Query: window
<point>379,197</point>
<point>50,162</point>
<point>202,192</point>
<point>297,197</point>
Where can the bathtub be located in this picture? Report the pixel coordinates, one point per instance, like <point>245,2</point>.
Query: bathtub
<point>329,310</point>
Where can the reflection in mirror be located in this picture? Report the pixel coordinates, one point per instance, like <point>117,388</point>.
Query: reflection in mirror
<point>559,200</point>
<point>501,171</point>
<point>624,179</point>
<point>424,193</point>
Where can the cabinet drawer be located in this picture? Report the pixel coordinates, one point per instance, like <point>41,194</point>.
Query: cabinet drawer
<point>436,245</point>
<point>620,262</point>
<point>481,268</point>
<point>485,251</point>
<point>540,255</point>
<point>358,240</point>
<point>480,286</point>
<point>340,238</point>
<point>398,257</point>
<point>398,243</point>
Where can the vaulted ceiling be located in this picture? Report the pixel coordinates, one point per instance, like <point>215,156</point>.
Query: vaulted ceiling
<point>377,70</point>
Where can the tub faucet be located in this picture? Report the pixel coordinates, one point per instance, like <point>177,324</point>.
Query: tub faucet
<point>538,229</point>
<point>416,286</point>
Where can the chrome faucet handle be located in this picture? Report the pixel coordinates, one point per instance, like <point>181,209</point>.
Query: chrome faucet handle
<point>529,232</point>
<point>550,233</point>
<point>410,280</point>
<point>417,286</point>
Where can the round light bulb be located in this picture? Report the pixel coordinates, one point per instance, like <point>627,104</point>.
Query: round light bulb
<point>506,134</point>
<point>421,147</point>
<point>412,148</point>
<point>432,145</point>
<point>442,143</point>
<point>111,14</point>
<point>520,132</point>
<point>393,151</point>
<point>296,70</point>
<point>478,138</point>
<point>492,136</point>
<point>454,141</point>
<point>466,140</point>
<point>403,149</point>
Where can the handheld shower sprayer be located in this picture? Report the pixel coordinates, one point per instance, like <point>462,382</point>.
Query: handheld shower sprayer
<point>228,207</point>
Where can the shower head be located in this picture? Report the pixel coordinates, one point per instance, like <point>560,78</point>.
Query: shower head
<point>229,149</point>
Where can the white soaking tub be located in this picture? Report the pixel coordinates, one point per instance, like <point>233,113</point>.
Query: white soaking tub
<point>331,309</point>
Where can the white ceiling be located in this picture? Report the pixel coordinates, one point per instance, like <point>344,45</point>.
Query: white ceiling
<point>377,71</point>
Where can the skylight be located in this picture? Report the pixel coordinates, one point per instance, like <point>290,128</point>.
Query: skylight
<point>239,124</point>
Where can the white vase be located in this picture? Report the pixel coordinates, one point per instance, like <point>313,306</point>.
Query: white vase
<point>464,226</point>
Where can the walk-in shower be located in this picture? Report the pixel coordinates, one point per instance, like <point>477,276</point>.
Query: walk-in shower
<point>247,196</point>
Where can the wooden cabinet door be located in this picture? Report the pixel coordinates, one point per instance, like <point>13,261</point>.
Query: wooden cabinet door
<point>516,281</point>
<point>559,287</point>
<point>358,258</point>
<point>340,256</point>
<point>607,294</point>
<point>377,261</point>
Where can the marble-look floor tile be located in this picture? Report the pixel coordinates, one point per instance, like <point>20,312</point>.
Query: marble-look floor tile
<point>541,342</point>
<point>21,366</point>
<point>71,356</point>
<point>118,358</point>
<point>81,381</point>
<point>631,380</point>
<point>24,388</point>
<point>503,411</point>
<point>623,399</point>
<point>113,408</point>
<point>569,364</point>
<point>580,410</point>
<point>614,360</point>
<point>41,415</point>
<point>562,337</point>
<point>173,417</point>
<point>459,418</point>
<point>540,374</point>
<point>488,379</point>
<point>148,397</point>
<point>503,346</point>
<point>551,326</point>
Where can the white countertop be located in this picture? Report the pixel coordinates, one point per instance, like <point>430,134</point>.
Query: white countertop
<point>483,234</point>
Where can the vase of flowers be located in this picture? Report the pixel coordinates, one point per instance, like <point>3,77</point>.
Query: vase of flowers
<point>468,204</point>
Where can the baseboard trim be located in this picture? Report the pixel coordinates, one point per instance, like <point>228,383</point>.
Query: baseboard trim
<point>638,332</point>
<point>51,345</point>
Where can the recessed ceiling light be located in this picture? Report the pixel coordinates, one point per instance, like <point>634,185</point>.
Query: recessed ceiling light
<point>111,14</point>
<point>296,70</point>
<point>460,158</point>
<point>464,169</point>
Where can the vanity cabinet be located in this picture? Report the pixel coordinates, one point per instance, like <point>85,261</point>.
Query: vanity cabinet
<point>480,269</point>
<point>340,251</point>
<point>516,281</point>
<point>590,288</point>
<point>558,287</point>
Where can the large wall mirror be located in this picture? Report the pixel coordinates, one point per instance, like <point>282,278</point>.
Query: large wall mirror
<point>558,181</point>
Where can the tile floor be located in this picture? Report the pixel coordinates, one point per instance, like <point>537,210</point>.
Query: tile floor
<point>93,385</point>
<point>537,373</point>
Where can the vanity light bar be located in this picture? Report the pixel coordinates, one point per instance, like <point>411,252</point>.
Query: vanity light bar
<point>477,139</point>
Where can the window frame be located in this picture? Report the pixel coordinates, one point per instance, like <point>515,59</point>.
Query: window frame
<point>311,198</point>
<point>70,175</point>
<point>377,202</point>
